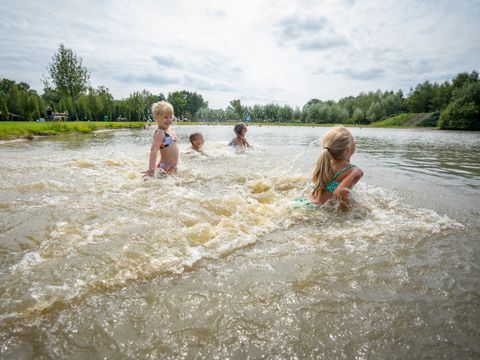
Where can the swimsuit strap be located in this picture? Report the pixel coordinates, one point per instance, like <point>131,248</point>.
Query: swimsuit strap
<point>341,171</point>
<point>165,133</point>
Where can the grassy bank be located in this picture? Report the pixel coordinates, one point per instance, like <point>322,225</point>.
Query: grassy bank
<point>10,130</point>
<point>403,120</point>
<point>232,123</point>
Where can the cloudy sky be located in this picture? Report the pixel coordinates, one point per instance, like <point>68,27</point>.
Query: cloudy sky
<point>259,51</point>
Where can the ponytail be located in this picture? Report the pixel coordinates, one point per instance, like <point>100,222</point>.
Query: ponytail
<point>323,171</point>
<point>334,143</point>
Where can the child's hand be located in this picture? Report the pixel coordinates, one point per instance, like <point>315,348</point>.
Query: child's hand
<point>147,174</point>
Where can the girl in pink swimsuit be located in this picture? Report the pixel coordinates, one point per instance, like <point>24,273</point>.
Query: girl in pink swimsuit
<point>164,141</point>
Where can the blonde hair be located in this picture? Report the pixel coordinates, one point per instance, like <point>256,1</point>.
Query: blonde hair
<point>162,108</point>
<point>334,142</point>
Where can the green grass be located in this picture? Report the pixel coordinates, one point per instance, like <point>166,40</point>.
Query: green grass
<point>395,121</point>
<point>231,123</point>
<point>10,130</point>
<point>27,129</point>
<point>403,120</point>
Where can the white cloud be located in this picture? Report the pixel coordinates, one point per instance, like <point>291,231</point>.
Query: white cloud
<point>282,51</point>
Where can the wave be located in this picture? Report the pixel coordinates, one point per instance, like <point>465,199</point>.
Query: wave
<point>134,230</point>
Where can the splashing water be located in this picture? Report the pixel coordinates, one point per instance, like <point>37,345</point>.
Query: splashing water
<point>88,248</point>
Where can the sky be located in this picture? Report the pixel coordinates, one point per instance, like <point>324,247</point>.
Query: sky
<point>258,51</point>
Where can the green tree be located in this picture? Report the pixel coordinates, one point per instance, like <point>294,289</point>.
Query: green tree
<point>463,113</point>
<point>194,103</point>
<point>14,100</point>
<point>258,113</point>
<point>311,102</point>
<point>179,102</point>
<point>68,74</point>
<point>463,78</point>
<point>391,104</point>
<point>337,113</point>
<point>358,116</point>
<point>3,109</point>
<point>318,113</point>
<point>236,105</point>
<point>51,97</point>
<point>137,105</point>
<point>32,111</point>
<point>297,114</point>
<point>271,112</point>
<point>375,112</point>
<point>285,113</point>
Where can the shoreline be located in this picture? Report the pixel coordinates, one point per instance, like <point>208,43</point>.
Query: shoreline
<point>25,131</point>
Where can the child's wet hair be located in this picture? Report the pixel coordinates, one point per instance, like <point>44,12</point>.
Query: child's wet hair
<point>335,142</point>
<point>194,136</point>
<point>237,129</point>
<point>162,108</point>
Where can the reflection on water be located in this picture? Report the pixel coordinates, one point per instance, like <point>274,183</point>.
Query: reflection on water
<point>219,261</point>
<point>445,160</point>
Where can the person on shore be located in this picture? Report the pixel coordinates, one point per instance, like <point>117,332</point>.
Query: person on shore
<point>49,114</point>
<point>197,141</point>
<point>240,129</point>
<point>334,176</point>
<point>164,140</point>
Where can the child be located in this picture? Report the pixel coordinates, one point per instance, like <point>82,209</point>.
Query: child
<point>164,140</point>
<point>197,141</point>
<point>334,176</point>
<point>240,129</point>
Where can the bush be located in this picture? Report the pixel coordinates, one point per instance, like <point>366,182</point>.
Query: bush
<point>463,113</point>
<point>430,121</point>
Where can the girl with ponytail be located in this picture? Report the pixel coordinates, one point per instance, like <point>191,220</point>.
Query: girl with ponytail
<point>334,176</point>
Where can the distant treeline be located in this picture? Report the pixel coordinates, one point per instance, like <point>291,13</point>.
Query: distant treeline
<point>454,105</point>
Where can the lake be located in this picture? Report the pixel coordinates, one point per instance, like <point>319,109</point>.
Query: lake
<point>219,262</point>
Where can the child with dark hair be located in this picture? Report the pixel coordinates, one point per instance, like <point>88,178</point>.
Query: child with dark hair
<point>197,141</point>
<point>240,129</point>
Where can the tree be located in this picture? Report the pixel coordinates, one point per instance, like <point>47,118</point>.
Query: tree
<point>317,112</point>
<point>3,109</point>
<point>186,103</point>
<point>297,114</point>
<point>32,111</point>
<point>194,103</point>
<point>462,78</point>
<point>271,112</point>
<point>311,102</point>
<point>13,100</point>
<point>236,105</point>
<point>463,113</point>
<point>375,112</point>
<point>179,103</point>
<point>137,105</point>
<point>285,113</point>
<point>68,74</point>
<point>337,113</point>
<point>258,113</point>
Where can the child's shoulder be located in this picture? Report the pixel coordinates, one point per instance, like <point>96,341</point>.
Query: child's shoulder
<point>159,134</point>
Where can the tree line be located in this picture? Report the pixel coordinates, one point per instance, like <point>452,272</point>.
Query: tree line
<point>453,104</point>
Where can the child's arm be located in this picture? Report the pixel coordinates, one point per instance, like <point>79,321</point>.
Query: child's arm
<point>342,192</point>
<point>157,141</point>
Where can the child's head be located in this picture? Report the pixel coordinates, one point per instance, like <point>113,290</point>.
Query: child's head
<point>240,128</point>
<point>196,139</point>
<point>162,112</point>
<point>338,144</point>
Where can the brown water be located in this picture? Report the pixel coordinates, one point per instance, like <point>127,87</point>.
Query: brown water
<point>219,262</point>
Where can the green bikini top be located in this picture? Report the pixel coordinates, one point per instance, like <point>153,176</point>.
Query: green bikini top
<point>332,184</point>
